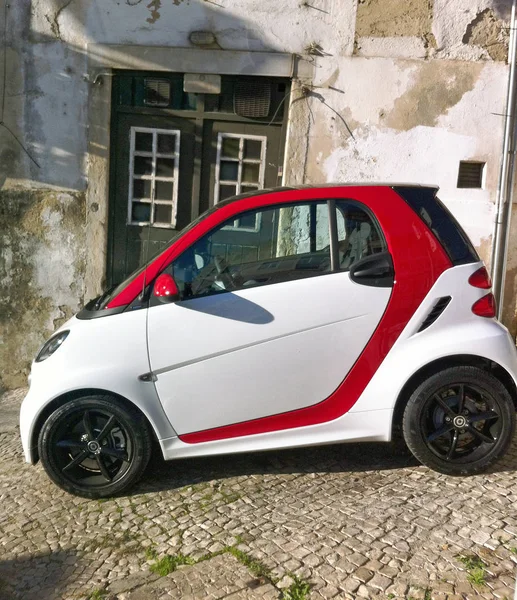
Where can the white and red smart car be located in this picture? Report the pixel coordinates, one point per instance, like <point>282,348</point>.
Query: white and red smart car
<point>288,317</point>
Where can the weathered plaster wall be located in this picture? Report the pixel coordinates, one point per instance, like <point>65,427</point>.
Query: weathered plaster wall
<point>42,185</point>
<point>393,28</point>
<point>455,29</point>
<point>402,90</point>
<point>41,272</point>
<point>416,127</point>
<point>459,31</point>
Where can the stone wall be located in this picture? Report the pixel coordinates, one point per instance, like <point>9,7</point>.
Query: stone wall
<point>401,91</point>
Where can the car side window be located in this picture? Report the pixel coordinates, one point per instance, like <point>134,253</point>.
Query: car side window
<point>359,235</point>
<point>282,243</point>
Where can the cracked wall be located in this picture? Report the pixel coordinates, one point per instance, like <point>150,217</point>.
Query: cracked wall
<point>41,272</point>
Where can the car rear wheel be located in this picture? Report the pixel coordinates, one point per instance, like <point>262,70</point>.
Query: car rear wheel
<point>459,421</point>
<point>95,446</point>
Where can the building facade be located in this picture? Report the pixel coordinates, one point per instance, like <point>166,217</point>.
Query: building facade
<point>122,120</point>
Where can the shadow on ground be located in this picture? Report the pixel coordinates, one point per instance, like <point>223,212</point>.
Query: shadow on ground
<point>37,577</point>
<point>340,458</point>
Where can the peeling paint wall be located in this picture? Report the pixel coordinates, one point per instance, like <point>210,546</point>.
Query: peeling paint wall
<point>41,272</point>
<point>387,18</point>
<point>417,127</point>
<point>401,91</point>
<point>488,32</point>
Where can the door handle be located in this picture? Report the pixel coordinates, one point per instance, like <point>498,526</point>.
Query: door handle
<point>375,271</point>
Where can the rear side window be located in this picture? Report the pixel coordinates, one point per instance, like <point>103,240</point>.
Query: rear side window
<point>440,221</point>
<point>358,234</point>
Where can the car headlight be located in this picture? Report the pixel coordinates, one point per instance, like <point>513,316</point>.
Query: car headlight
<point>51,345</point>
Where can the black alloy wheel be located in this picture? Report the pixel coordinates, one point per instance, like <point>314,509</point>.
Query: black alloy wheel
<point>95,446</point>
<point>459,421</point>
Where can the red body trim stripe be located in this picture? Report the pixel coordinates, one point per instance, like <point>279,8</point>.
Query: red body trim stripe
<point>418,259</point>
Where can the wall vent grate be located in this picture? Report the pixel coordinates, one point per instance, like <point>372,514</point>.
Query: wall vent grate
<point>470,174</point>
<point>157,92</point>
<point>252,98</point>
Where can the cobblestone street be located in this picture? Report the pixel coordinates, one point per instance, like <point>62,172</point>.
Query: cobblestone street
<point>350,521</point>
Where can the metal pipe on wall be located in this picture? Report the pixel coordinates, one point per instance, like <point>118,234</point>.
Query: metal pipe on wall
<point>506,176</point>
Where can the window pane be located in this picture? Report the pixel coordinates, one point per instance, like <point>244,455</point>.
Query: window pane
<point>163,190</point>
<point>166,143</point>
<point>143,165</point>
<point>359,236</point>
<point>143,142</point>
<point>245,251</point>
<point>248,220</point>
<point>250,254</point>
<point>226,191</point>
<point>163,213</point>
<point>322,227</point>
<point>157,92</point>
<point>234,256</point>
<point>303,229</point>
<point>142,188</point>
<point>252,149</point>
<point>246,189</point>
<point>230,147</point>
<point>229,171</point>
<point>250,172</point>
<point>141,211</point>
<point>165,167</point>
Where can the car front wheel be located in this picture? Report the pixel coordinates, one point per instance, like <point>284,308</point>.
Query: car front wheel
<point>95,446</point>
<point>459,421</point>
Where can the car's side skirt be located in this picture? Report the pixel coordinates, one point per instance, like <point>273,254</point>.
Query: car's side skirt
<point>371,426</point>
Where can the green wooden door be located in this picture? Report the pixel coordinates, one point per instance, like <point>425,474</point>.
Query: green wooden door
<point>152,191</point>
<point>176,154</point>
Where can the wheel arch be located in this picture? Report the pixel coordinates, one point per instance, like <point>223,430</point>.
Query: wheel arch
<point>463,360</point>
<point>73,395</point>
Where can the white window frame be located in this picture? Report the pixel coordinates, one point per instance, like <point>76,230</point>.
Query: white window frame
<point>154,154</point>
<point>240,160</point>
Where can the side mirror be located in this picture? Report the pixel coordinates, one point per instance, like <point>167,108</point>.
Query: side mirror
<point>165,288</point>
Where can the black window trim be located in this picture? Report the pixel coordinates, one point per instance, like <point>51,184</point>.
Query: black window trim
<point>448,232</point>
<point>333,236</point>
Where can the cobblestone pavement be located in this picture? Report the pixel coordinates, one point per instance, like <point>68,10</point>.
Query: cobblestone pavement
<point>352,521</point>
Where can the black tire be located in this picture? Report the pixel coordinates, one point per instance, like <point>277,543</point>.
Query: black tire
<point>459,421</point>
<point>95,446</point>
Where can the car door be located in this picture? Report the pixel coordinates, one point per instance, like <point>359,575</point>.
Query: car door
<point>266,323</point>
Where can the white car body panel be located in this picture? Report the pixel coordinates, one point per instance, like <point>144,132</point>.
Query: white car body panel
<point>99,354</point>
<point>370,419</point>
<point>233,357</point>
<point>457,331</point>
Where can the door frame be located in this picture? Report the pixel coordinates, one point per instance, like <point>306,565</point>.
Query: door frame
<point>101,60</point>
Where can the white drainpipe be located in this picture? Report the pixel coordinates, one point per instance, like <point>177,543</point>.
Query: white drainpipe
<point>506,176</point>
